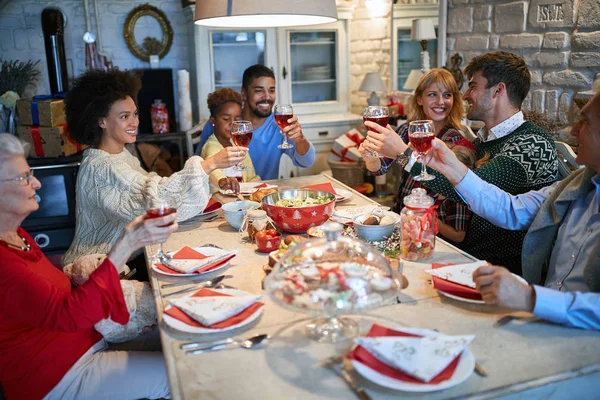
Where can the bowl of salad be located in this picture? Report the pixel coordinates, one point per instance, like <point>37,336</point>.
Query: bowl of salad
<point>296,210</point>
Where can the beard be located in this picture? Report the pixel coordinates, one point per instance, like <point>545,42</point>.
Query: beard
<point>260,113</point>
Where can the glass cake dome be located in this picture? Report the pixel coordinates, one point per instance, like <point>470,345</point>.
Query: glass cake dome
<point>330,276</point>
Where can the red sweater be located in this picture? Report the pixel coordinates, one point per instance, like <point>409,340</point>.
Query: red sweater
<point>45,325</point>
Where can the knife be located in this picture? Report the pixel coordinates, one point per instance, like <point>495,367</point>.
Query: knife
<point>212,283</point>
<point>351,382</point>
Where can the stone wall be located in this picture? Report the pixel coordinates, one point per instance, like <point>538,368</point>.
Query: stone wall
<point>558,39</point>
<point>21,36</point>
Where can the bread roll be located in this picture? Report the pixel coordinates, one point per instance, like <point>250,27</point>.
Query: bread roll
<point>260,193</point>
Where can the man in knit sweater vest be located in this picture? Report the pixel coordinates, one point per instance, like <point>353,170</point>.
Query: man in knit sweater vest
<point>561,250</point>
<point>522,155</point>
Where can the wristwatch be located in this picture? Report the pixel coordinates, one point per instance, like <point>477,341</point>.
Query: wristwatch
<point>402,158</point>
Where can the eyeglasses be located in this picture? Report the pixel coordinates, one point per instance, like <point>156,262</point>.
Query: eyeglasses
<point>26,177</point>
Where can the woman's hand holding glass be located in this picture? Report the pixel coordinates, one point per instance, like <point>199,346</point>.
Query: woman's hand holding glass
<point>384,140</point>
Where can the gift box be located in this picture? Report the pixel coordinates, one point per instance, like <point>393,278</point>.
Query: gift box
<point>49,141</point>
<point>345,147</point>
<point>46,111</point>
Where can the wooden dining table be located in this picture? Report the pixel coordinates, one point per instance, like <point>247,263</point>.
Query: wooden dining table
<point>525,358</point>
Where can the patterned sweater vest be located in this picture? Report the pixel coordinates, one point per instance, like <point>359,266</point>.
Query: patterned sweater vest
<point>522,161</point>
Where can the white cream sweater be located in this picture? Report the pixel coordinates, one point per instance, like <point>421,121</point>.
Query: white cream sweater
<point>112,189</point>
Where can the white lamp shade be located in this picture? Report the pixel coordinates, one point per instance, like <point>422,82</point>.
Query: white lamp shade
<point>413,79</point>
<point>422,29</point>
<point>372,83</point>
<point>264,13</point>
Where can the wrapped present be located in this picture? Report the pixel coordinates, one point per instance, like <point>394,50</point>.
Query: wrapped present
<point>47,111</point>
<point>345,147</point>
<point>49,141</point>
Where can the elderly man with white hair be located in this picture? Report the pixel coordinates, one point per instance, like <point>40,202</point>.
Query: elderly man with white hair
<point>561,251</point>
<point>48,345</point>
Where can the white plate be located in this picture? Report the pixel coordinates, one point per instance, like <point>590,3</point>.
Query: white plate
<point>342,195</point>
<point>473,301</point>
<point>182,326</point>
<point>247,188</point>
<point>463,370</point>
<point>207,251</point>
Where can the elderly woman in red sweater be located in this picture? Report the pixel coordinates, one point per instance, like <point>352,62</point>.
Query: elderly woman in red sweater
<point>48,346</point>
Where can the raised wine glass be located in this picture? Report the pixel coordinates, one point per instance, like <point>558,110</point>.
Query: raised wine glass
<point>283,112</point>
<point>241,134</point>
<point>421,134</point>
<point>157,209</point>
<point>379,115</point>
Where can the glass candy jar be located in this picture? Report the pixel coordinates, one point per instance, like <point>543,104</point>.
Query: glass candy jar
<point>331,276</point>
<point>257,220</point>
<point>419,226</point>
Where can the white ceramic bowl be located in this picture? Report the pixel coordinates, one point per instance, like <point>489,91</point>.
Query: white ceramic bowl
<point>374,233</point>
<point>234,212</point>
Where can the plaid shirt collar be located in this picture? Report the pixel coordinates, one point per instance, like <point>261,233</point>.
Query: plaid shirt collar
<point>504,128</point>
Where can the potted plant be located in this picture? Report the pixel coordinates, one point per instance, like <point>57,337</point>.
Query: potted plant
<point>15,76</point>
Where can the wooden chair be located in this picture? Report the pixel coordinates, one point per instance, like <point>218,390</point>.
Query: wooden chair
<point>566,158</point>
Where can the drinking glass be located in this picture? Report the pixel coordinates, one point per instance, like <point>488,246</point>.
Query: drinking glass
<point>421,134</point>
<point>379,115</point>
<point>283,112</point>
<point>157,209</point>
<point>241,134</point>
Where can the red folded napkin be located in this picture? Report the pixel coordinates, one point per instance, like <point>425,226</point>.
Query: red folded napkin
<point>212,206</point>
<point>187,253</point>
<point>452,287</point>
<point>363,356</point>
<point>327,187</point>
<point>262,185</point>
<point>236,319</point>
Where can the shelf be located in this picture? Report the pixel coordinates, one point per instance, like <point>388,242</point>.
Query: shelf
<point>312,43</point>
<point>251,44</point>
<point>313,82</point>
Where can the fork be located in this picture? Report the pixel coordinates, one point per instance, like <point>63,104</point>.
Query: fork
<point>338,361</point>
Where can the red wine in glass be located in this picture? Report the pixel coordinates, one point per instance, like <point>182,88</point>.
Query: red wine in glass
<point>379,115</point>
<point>382,121</point>
<point>422,144</point>
<point>242,138</point>
<point>283,112</point>
<point>152,213</point>
<point>282,119</point>
<point>421,134</point>
<point>241,134</point>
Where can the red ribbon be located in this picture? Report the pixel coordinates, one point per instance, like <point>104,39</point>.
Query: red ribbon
<point>37,141</point>
<point>429,218</point>
<point>355,137</point>
<point>67,133</point>
<point>342,156</point>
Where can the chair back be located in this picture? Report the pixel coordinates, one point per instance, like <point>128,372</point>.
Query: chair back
<point>566,159</point>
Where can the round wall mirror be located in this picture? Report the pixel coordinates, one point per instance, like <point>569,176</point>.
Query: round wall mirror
<point>148,32</point>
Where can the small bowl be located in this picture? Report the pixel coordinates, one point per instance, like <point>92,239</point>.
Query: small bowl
<point>268,245</point>
<point>234,212</point>
<point>315,232</point>
<point>374,233</point>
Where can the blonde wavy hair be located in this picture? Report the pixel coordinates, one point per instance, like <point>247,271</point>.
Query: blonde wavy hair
<point>444,79</point>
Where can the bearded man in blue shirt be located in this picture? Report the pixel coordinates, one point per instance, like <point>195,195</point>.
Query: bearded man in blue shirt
<point>561,251</point>
<point>258,94</point>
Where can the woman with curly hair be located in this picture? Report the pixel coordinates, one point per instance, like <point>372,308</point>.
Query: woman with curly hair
<point>436,98</point>
<point>225,106</point>
<point>112,187</point>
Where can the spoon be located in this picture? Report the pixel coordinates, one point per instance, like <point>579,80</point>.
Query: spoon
<point>248,343</point>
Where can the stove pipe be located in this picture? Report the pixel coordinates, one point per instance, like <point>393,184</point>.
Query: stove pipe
<point>53,28</point>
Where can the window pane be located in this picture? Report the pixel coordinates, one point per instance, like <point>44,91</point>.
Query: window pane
<point>313,66</point>
<point>233,52</point>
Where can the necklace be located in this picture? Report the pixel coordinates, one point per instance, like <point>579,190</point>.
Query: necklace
<point>27,246</point>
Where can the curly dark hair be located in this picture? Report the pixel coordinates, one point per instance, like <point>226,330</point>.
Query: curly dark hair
<point>256,71</point>
<point>218,98</point>
<point>91,97</point>
<point>501,66</point>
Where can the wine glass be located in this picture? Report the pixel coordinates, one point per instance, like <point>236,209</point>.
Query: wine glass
<point>241,134</point>
<point>379,115</point>
<point>283,112</point>
<point>421,134</point>
<point>157,209</point>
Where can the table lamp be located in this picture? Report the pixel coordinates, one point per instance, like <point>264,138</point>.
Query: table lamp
<point>264,13</point>
<point>372,83</point>
<point>413,79</point>
<point>422,31</point>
